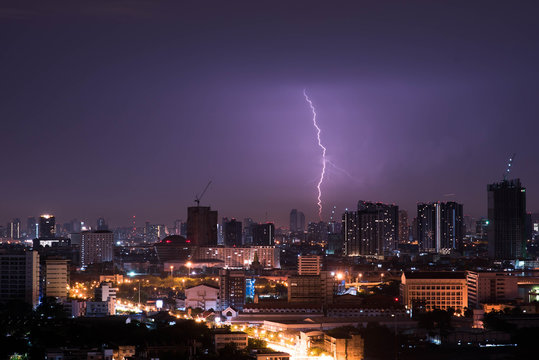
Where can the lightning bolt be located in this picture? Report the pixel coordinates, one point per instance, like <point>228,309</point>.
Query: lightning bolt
<point>324,160</point>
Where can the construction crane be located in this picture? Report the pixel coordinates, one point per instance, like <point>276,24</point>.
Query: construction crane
<point>199,197</point>
<point>508,170</point>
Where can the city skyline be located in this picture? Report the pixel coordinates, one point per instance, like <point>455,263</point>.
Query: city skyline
<point>115,121</point>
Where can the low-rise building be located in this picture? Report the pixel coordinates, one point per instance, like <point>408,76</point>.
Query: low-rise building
<point>239,339</point>
<point>312,288</point>
<point>205,297</point>
<point>270,355</point>
<point>239,257</point>
<point>344,346</point>
<point>434,290</point>
<point>489,286</point>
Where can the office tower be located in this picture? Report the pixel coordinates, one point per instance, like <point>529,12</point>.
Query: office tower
<point>293,220</point>
<point>56,278</point>
<point>507,220</point>
<point>264,234</point>
<point>301,222</point>
<point>201,225</point>
<point>297,221</point>
<point>14,229</point>
<point>440,226</point>
<point>20,276</point>
<point>434,290</point>
<point>378,226</point>
<point>31,228</point>
<point>231,289</point>
<point>101,225</point>
<point>350,231</point>
<point>96,247</point>
<point>309,264</point>
<point>319,289</point>
<point>404,227</point>
<point>248,224</point>
<point>232,233</point>
<point>47,226</point>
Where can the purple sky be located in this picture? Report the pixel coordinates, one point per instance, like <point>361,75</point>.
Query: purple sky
<point>121,108</point>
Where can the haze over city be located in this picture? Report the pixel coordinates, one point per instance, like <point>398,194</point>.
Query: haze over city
<point>135,108</point>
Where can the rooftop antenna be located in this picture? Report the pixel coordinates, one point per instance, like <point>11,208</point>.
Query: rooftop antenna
<point>509,164</point>
<point>199,197</point>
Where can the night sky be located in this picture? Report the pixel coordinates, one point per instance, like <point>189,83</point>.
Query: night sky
<point>121,108</point>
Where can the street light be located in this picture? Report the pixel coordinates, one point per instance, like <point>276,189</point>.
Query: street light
<point>171,270</point>
<point>189,268</point>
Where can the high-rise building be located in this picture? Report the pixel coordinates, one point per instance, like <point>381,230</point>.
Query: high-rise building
<point>297,221</point>
<point>507,220</point>
<point>96,247</point>
<point>248,225</point>
<point>372,230</point>
<point>309,264</point>
<point>101,225</point>
<point>378,228</point>
<point>31,228</point>
<point>14,229</point>
<point>56,278</point>
<point>201,225</point>
<point>350,231</point>
<point>404,227</point>
<point>20,276</point>
<point>264,234</point>
<point>317,232</point>
<point>232,289</point>
<point>47,226</point>
<point>232,233</point>
<point>440,226</point>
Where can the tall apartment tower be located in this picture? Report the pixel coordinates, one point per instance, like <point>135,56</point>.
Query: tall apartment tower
<point>20,276</point>
<point>96,247</point>
<point>440,226</point>
<point>404,227</point>
<point>378,228</point>
<point>14,229</point>
<point>264,234</point>
<point>232,233</point>
<point>56,278</point>
<point>201,225</point>
<point>309,264</point>
<point>507,220</point>
<point>47,226</point>
<point>350,233</point>
<point>232,289</point>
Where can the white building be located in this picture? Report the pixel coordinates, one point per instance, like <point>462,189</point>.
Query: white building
<point>202,296</point>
